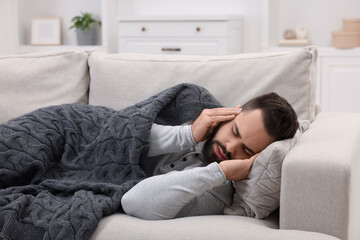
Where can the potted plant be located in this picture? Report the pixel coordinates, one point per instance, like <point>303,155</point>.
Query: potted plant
<point>85,29</point>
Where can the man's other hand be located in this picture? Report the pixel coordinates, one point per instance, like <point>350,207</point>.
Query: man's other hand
<point>209,119</point>
<point>237,169</point>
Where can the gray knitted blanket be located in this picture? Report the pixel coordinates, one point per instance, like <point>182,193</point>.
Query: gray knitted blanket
<point>63,168</point>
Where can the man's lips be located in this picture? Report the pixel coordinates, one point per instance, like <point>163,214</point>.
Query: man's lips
<point>219,152</point>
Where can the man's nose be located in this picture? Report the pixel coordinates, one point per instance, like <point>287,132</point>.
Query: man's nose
<point>233,147</point>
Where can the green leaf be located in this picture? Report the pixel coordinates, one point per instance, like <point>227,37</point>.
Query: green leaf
<point>83,21</point>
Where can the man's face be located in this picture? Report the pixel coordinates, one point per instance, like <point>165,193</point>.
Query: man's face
<point>239,138</point>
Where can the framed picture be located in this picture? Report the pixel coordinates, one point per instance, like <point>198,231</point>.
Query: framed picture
<point>45,31</point>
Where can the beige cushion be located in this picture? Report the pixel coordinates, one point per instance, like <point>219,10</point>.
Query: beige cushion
<point>31,81</point>
<point>259,194</point>
<point>120,80</point>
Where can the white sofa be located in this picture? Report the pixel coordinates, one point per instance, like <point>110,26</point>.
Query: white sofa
<point>320,176</point>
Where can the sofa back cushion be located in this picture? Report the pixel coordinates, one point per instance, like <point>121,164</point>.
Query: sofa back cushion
<point>31,81</point>
<point>120,80</point>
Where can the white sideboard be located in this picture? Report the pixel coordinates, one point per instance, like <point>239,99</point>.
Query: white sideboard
<point>199,35</point>
<point>339,80</point>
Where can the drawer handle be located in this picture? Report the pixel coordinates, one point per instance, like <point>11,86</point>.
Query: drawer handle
<point>198,29</point>
<point>171,49</point>
<point>143,29</point>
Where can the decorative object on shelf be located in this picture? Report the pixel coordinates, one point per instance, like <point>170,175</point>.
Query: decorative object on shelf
<point>349,37</point>
<point>289,34</point>
<point>301,32</point>
<point>351,25</point>
<point>45,31</point>
<point>85,29</point>
<point>295,37</point>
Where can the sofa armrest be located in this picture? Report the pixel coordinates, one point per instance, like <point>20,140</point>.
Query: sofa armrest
<point>321,177</point>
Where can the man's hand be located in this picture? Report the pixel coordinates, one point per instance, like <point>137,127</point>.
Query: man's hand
<point>235,170</point>
<point>209,119</point>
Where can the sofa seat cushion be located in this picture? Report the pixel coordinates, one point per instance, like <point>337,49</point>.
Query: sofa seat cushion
<point>120,80</point>
<point>31,81</point>
<point>121,226</point>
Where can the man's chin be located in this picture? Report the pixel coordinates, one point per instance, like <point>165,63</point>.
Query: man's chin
<point>208,161</point>
<point>218,161</point>
<point>209,153</point>
<point>208,148</point>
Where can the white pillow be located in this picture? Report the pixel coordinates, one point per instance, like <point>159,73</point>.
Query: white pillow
<point>259,194</point>
<point>120,80</point>
<point>31,81</point>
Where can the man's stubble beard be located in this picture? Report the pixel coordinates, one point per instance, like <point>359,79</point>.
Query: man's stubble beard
<point>208,149</point>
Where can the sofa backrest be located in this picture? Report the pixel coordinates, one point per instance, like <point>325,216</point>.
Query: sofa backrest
<point>31,81</point>
<point>120,80</point>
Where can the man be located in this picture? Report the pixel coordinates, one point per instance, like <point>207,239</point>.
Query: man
<point>234,137</point>
<point>80,160</point>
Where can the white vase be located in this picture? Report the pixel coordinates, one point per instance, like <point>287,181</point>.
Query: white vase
<point>301,32</point>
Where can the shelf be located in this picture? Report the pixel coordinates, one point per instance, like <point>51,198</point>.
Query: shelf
<point>24,10</point>
<point>338,52</point>
<point>279,15</point>
<point>324,51</point>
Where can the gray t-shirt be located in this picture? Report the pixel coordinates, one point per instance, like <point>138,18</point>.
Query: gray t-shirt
<point>179,183</point>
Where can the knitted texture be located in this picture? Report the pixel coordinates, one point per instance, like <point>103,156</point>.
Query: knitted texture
<point>63,168</point>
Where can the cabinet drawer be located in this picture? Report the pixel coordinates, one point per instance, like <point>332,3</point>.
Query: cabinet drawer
<point>174,29</point>
<point>173,46</point>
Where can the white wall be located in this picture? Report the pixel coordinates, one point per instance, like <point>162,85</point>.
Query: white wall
<point>6,40</point>
<point>321,17</point>
<point>251,10</point>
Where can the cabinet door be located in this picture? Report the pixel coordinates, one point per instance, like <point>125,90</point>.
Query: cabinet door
<point>340,84</point>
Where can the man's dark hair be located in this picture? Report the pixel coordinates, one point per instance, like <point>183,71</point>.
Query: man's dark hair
<point>279,117</point>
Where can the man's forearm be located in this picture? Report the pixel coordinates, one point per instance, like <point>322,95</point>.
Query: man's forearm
<point>170,139</point>
<point>163,196</point>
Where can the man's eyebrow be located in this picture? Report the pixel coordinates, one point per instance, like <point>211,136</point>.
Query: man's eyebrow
<point>239,135</point>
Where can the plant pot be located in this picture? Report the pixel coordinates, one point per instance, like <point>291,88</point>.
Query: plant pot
<point>86,38</point>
